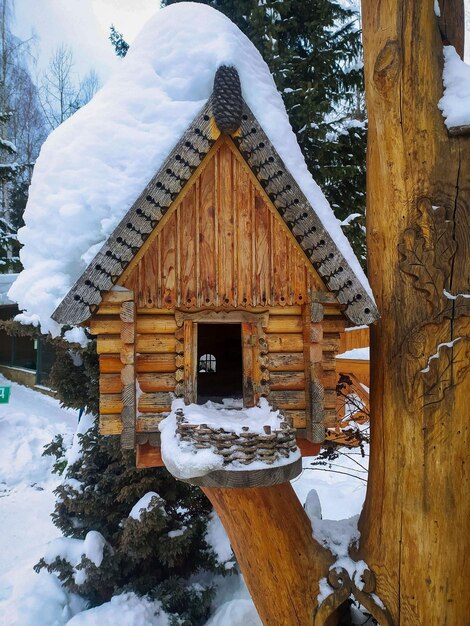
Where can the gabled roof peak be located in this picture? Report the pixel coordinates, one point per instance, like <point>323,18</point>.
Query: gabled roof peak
<point>235,117</point>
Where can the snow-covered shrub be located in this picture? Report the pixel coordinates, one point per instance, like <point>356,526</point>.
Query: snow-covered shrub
<point>152,527</point>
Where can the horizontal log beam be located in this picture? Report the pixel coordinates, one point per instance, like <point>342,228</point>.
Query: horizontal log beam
<point>155,344</point>
<point>110,424</point>
<point>150,382</point>
<point>293,400</point>
<point>286,362</point>
<point>285,343</point>
<point>285,324</point>
<point>156,362</point>
<point>156,324</point>
<point>110,363</point>
<point>110,404</point>
<point>110,383</point>
<point>105,325</point>
<point>287,381</point>
<point>155,402</point>
<point>149,422</point>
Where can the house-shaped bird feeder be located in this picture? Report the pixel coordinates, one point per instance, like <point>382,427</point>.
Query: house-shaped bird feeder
<point>221,281</point>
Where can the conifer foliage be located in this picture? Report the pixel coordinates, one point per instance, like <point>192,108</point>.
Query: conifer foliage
<point>155,551</point>
<point>117,40</point>
<point>21,134</point>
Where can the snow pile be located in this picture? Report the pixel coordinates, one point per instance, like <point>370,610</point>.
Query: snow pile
<point>217,538</point>
<point>455,103</point>
<point>74,453</point>
<point>337,536</point>
<point>72,550</point>
<point>238,612</point>
<point>312,505</point>
<point>93,167</point>
<point>234,606</point>
<point>149,501</point>
<point>27,423</point>
<point>127,609</point>
<point>30,599</point>
<point>24,433</point>
<point>184,461</point>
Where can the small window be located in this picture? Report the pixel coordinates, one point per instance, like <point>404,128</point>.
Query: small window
<point>207,364</point>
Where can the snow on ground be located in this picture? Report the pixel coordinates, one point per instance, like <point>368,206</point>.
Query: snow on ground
<point>121,138</point>
<point>27,424</point>
<point>126,609</point>
<point>30,421</point>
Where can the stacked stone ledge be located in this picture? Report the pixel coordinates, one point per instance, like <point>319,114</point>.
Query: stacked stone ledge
<point>245,447</point>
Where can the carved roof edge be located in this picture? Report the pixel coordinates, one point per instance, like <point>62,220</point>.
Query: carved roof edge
<point>229,109</point>
<point>144,215</point>
<point>301,219</point>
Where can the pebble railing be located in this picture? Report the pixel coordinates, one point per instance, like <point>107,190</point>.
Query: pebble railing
<point>245,447</point>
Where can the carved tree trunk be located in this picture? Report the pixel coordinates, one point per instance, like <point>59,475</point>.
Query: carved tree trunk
<point>272,539</point>
<point>415,525</point>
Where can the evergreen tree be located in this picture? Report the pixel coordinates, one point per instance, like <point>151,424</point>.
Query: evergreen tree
<point>8,172</point>
<point>117,40</point>
<point>21,135</point>
<point>154,555</point>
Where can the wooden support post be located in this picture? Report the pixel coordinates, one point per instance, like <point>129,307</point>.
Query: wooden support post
<point>312,337</point>
<point>272,538</point>
<point>415,525</point>
<point>128,392</point>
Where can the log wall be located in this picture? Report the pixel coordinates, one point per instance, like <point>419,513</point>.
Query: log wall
<point>156,365</point>
<point>286,364</point>
<point>300,365</point>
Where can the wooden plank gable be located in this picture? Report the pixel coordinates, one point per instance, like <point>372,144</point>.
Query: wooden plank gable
<point>223,244</point>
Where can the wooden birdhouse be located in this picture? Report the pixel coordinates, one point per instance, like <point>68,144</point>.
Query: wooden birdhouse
<point>220,282</point>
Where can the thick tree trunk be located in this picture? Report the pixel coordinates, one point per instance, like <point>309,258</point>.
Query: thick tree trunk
<point>415,524</point>
<point>272,539</point>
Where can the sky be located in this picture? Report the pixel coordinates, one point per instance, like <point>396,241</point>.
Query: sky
<point>81,24</point>
<point>128,16</point>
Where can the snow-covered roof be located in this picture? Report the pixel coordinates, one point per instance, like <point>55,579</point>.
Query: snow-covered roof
<point>93,167</point>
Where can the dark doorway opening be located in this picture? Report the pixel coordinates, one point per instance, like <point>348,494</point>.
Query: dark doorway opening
<point>219,362</point>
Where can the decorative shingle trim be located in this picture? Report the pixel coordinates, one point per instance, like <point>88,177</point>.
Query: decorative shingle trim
<point>302,220</point>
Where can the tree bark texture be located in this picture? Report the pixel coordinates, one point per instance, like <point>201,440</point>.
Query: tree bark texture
<point>272,539</point>
<point>415,524</point>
